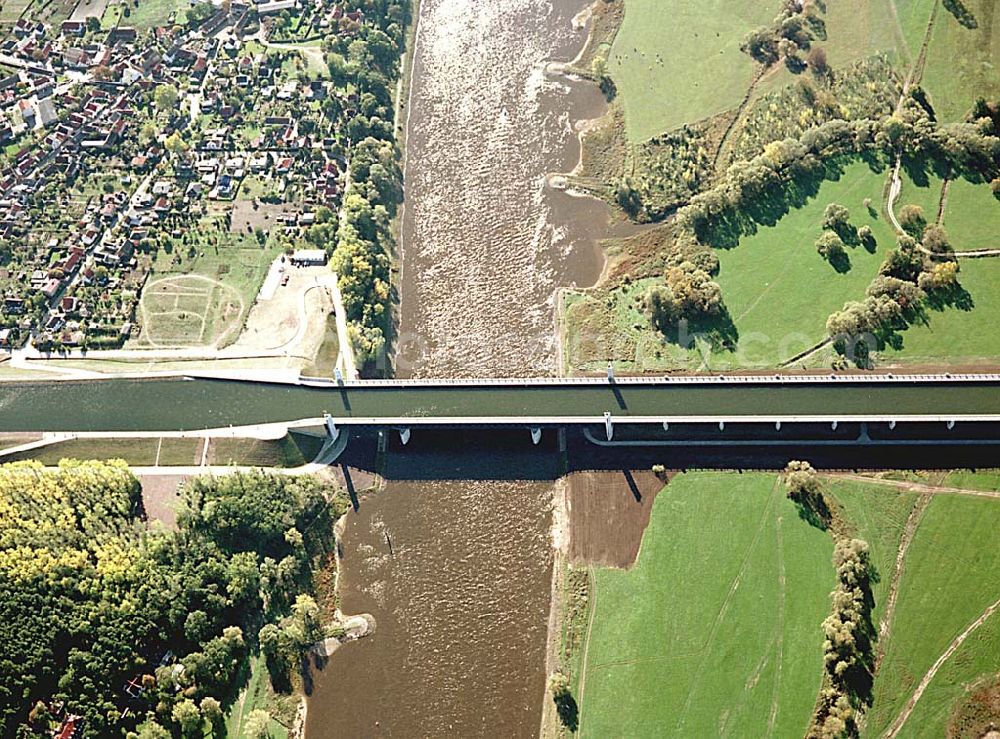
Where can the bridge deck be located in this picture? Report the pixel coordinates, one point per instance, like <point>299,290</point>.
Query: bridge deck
<point>128,405</point>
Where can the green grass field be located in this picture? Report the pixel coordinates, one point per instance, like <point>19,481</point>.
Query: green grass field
<point>955,336</point>
<point>677,62</point>
<point>204,298</point>
<point>858,28</point>
<point>972,216</point>
<point>914,15</point>
<point>780,292</point>
<point>952,574</point>
<point>152,13</point>
<point>926,194</point>
<point>961,62</point>
<point>715,630</point>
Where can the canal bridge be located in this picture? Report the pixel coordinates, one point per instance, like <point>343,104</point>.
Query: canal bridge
<point>594,418</point>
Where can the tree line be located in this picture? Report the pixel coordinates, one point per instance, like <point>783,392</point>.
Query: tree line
<point>763,189</point>
<point>849,634</point>
<point>362,250</point>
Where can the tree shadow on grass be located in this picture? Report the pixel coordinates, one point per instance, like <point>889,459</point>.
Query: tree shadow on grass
<point>841,262</point>
<point>569,712</point>
<point>718,331</point>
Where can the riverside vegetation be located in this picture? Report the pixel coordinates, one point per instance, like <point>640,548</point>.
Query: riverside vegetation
<point>147,630</point>
<point>819,106</point>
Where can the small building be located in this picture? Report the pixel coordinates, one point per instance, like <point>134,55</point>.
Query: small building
<point>308,258</point>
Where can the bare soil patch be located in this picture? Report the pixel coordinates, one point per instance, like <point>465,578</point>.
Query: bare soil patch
<point>978,714</point>
<point>160,496</point>
<point>246,217</point>
<point>608,513</point>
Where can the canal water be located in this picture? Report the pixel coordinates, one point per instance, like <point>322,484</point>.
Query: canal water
<point>457,574</point>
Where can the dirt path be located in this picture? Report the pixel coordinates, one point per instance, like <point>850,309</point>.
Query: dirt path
<point>913,77</point>
<point>740,109</point>
<point>926,680</point>
<point>885,623</point>
<point>978,253</point>
<point>942,202</point>
<point>913,487</point>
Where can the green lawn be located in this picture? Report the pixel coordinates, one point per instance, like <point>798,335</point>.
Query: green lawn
<point>961,62</point>
<point>677,62</point>
<point>972,216</point>
<point>926,194</point>
<point>780,291</point>
<point>138,452</point>
<point>952,574</point>
<point>956,336</point>
<point>716,629</point>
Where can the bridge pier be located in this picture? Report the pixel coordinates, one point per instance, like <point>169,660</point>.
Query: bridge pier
<point>404,436</point>
<point>608,428</point>
<point>331,428</point>
<point>666,425</point>
<point>536,435</point>
<point>833,426</point>
<point>777,425</point>
<point>892,425</point>
<point>722,425</point>
<point>951,425</point>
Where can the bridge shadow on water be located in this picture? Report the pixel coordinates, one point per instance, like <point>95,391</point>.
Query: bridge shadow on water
<point>509,454</point>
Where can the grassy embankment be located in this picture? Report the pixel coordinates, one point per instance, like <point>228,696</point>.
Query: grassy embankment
<point>716,627</point>
<point>289,451</point>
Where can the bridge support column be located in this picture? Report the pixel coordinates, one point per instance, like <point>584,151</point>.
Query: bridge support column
<point>833,426</point>
<point>404,436</point>
<point>608,427</point>
<point>331,428</point>
<point>536,435</point>
<point>777,425</point>
<point>338,375</point>
<point>611,372</point>
<point>892,425</point>
<point>722,425</point>
<point>951,425</point>
<point>666,425</point>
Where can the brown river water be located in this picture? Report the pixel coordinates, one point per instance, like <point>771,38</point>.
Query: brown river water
<point>458,574</point>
